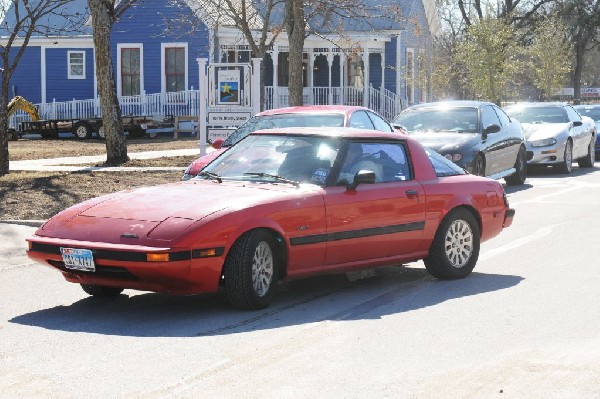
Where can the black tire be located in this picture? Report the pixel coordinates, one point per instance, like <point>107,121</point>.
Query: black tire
<point>13,135</point>
<point>455,248</point>
<point>566,166</point>
<point>82,130</point>
<point>519,177</point>
<point>101,291</point>
<point>100,132</point>
<point>136,133</point>
<point>479,165</point>
<point>589,160</point>
<point>252,270</point>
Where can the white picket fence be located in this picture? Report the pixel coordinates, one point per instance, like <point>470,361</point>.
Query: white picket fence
<point>186,103</point>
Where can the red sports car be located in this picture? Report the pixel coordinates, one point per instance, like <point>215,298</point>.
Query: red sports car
<point>282,203</point>
<point>304,116</point>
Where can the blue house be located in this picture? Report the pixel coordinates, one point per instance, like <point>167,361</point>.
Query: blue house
<point>154,53</point>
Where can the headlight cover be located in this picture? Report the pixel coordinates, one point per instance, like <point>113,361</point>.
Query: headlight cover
<point>453,157</point>
<point>543,142</point>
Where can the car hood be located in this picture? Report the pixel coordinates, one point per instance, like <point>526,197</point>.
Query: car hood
<point>445,142</point>
<point>144,215</point>
<point>538,131</point>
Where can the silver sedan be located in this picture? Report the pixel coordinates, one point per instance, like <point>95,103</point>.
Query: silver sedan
<point>555,135</point>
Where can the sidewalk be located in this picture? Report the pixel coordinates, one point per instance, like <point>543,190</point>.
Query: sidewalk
<point>72,164</point>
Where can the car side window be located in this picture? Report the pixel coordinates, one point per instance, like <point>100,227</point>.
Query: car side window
<point>489,117</point>
<point>360,120</point>
<point>504,119</point>
<point>379,122</point>
<point>389,162</point>
<point>573,115</point>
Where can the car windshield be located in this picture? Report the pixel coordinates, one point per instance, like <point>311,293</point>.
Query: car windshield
<point>458,119</point>
<point>442,166</point>
<point>283,120</point>
<point>276,159</point>
<point>527,114</point>
<point>592,112</point>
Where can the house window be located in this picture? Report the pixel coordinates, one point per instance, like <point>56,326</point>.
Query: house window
<point>410,75</point>
<point>175,68</point>
<point>130,72</point>
<point>76,60</point>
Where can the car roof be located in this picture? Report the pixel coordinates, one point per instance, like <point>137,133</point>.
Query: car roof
<point>538,104</point>
<point>586,106</point>
<point>314,109</point>
<point>345,132</point>
<point>451,104</point>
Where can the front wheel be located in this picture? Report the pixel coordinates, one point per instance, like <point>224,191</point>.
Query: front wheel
<point>566,166</point>
<point>455,248</point>
<point>589,160</point>
<point>13,134</point>
<point>101,291</point>
<point>101,133</point>
<point>479,165</point>
<point>519,177</point>
<point>252,270</point>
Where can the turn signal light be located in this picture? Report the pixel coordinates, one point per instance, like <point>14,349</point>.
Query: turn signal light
<point>157,257</point>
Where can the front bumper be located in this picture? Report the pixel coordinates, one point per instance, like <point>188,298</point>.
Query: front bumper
<point>548,155</point>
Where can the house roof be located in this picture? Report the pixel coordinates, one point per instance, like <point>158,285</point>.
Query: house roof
<point>67,20</point>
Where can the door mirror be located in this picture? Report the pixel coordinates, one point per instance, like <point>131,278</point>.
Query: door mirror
<point>217,143</point>
<point>577,123</point>
<point>493,128</point>
<point>362,177</point>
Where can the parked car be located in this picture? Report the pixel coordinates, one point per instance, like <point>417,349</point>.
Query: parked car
<point>555,135</point>
<point>276,206</point>
<point>478,136</point>
<point>592,112</point>
<point>305,116</point>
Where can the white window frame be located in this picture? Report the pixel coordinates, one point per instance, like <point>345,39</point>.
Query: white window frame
<point>119,77</point>
<point>70,64</point>
<point>163,62</point>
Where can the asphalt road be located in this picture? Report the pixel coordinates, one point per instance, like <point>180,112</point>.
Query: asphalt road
<point>525,324</point>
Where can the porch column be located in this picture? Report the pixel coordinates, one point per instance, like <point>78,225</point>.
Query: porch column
<point>382,71</point>
<point>202,110</point>
<point>366,84</point>
<point>343,76</point>
<point>329,64</point>
<point>275,59</point>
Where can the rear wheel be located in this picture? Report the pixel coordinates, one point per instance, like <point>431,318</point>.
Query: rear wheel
<point>82,130</point>
<point>589,160</point>
<point>13,135</point>
<point>101,291</point>
<point>100,132</point>
<point>566,166</point>
<point>520,175</point>
<point>252,270</point>
<point>479,165</point>
<point>455,248</point>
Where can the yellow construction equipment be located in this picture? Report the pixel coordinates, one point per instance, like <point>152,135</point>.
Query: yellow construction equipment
<point>17,103</point>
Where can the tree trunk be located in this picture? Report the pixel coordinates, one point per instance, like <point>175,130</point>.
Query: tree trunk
<point>116,146</point>
<point>4,158</point>
<point>579,53</point>
<point>296,32</point>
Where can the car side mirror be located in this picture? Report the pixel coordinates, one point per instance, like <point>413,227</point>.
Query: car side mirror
<point>362,177</point>
<point>577,123</point>
<point>217,143</point>
<point>493,128</point>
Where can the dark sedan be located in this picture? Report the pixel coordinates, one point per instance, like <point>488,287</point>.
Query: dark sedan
<point>478,136</point>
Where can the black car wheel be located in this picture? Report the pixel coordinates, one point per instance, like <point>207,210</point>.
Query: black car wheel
<point>252,270</point>
<point>101,291</point>
<point>455,248</point>
<point>479,165</point>
<point>520,175</point>
<point>589,160</point>
<point>566,166</point>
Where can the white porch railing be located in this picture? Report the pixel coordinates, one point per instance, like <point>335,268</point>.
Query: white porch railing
<point>186,103</point>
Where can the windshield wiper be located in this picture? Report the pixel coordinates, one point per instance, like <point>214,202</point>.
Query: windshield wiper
<point>210,175</point>
<point>276,177</point>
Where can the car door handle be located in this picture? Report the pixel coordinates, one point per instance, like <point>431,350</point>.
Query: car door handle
<point>412,193</point>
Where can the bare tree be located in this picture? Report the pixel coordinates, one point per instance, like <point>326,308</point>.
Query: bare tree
<point>22,20</point>
<point>104,15</point>
<point>296,30</point>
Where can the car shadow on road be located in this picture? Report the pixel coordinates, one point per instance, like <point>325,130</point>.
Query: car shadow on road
<point>335,298</point>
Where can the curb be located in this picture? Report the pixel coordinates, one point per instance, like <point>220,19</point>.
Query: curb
<point>31,223</point>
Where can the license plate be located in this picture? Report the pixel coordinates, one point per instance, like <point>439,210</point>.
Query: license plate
<point>78,259</point>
